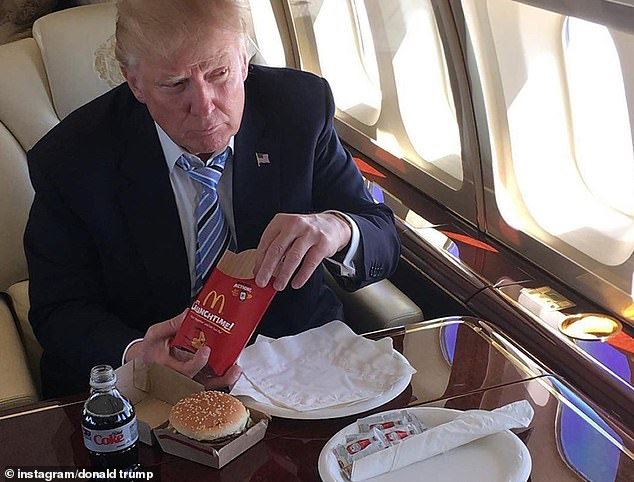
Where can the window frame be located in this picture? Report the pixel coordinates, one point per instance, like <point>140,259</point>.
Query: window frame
<point>581,275</point>
<point>467,201</point>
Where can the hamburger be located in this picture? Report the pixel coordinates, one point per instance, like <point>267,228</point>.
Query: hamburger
<point>209,416</point>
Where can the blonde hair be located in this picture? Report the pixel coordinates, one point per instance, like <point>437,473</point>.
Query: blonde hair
<point>150,28</point>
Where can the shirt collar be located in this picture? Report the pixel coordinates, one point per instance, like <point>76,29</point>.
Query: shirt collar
<point>173,151</point>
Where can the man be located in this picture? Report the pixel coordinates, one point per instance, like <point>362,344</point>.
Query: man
<point>114,240</point>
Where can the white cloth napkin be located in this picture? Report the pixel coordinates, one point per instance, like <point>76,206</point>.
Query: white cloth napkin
<point>324,367</point>
<point>466,427</point>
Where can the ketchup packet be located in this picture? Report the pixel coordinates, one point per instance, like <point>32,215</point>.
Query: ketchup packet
<point>226,312</point>
<point>376,433</point>
<point>388,420</point>
<point>395,434</point>
<point>394,426</point>
<point>359,445</point>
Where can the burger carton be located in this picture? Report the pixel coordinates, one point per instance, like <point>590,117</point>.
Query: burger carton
<point>226,312</point>
<point>154,390</point>
<point>210,453</point>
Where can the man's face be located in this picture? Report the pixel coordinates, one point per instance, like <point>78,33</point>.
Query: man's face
<point>197,103</point>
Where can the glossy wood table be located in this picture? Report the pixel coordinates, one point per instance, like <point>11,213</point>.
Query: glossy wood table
<point>460,365</point>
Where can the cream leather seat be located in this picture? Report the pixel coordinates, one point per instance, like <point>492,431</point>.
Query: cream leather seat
<point>68,62</point>
<point>16,384</point>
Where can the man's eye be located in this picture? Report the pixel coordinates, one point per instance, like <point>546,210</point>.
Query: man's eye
<point>174,85</point>
<point>220,73</point>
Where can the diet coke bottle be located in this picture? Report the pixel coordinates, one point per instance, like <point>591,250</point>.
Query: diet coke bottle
<point>109,423</point>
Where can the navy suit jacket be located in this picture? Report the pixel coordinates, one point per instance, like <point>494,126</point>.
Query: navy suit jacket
<point>104,243</point>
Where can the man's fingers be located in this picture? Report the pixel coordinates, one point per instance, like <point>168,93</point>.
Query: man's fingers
<point>199,360</point>
<point>294,240</point>
<point>273,256</point>
<point>269,234</point>
<point>192,366</point>
<point>227,380</point>
<point>180,354</point>
<point>166,329</point>
<point>232,375</point>
<point>312,259</point>
<point>291,262</point>
<point>176,322</point>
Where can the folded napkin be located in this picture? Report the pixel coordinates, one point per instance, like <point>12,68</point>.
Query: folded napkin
<point>466,427</point>
<point>243,387</point>
<point>324,367</point>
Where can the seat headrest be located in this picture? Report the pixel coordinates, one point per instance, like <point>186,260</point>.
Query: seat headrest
<point>26,108</point>
<point>77,47</point>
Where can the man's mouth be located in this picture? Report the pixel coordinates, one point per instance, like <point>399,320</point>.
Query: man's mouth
<point>205,131</point>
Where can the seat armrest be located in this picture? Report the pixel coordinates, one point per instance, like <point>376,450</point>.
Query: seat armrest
<point>376,306</point>
<point>19,302</point>
<point>16,385</point>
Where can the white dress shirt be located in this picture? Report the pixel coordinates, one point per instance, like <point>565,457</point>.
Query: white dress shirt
<point>187,193</point>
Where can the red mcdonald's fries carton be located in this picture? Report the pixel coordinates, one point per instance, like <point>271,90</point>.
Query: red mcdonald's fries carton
<point>226,312</point>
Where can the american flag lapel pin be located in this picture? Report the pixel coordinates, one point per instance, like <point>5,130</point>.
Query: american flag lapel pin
<point>262,158</point>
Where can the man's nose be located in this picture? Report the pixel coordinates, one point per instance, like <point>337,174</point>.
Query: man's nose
<point>202,99</point>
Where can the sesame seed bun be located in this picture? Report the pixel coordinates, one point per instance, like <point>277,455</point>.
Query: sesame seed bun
<point>209,416</point>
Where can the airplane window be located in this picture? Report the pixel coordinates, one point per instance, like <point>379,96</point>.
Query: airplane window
<point>408,110</point>
<point>424,94</point>
<point>561,161</point>
<point>267,34</point>
<point>600,120</point>
<point>346,55</point>
<point>548,172</point>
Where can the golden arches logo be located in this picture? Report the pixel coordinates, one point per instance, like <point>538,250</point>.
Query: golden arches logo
<point>215,300</point>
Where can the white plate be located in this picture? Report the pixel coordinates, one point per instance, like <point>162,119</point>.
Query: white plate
<point>501,457</point>
<point>331,412</point>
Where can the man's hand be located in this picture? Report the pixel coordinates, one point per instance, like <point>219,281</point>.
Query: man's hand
<point>212,382</point>
<point>291,239</point>
<point>155,348</point>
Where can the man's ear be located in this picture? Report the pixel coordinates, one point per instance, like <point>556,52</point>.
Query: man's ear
<point>131,76</point>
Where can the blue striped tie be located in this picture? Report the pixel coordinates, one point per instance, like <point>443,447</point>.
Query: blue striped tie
<point>213,231</point>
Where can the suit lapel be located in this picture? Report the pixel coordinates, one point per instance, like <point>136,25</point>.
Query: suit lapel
<point>147,200</point>
<point>256,186</point>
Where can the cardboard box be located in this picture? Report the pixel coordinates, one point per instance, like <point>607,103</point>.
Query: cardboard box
<point>154,390</point>
<point>208,453</point>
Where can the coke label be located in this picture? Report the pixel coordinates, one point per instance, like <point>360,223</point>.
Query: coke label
<point>111,440</point>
